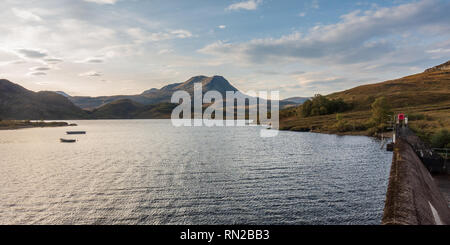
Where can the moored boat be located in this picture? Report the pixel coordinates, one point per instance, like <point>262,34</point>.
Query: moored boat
<point>67,140</point>
<point>76,132</point>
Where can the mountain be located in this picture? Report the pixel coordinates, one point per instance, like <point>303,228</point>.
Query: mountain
<point>119,109</point>
<point>155,96</point>
<point>17,102</point>
<point>128,109</point>
<point>164,94</point>
<point>425,97</point>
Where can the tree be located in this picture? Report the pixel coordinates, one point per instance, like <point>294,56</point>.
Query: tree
<point>381,111</point>
<point>320,105</point>
<point>441,139</point>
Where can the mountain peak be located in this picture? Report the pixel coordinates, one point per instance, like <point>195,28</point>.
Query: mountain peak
<point>8,86</point>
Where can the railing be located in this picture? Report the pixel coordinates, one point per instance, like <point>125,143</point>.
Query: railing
<point>444,152</point>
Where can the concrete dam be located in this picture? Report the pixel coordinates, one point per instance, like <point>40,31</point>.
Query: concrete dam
<point>413,196</point>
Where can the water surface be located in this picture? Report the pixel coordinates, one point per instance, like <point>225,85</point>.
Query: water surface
<point>148,172</point>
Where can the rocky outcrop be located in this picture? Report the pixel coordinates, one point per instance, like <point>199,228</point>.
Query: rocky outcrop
<point>442,67</point>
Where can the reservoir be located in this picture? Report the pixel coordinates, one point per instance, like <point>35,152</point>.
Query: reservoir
<point>149,172</point>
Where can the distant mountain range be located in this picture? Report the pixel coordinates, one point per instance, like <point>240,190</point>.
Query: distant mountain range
<point>17,102</point>
<point>164,94</point>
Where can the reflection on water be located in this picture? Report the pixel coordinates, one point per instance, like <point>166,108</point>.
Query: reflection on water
<point>148,172</point>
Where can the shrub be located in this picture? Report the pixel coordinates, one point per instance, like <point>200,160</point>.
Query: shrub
<point>381,112</point>
<point>343,126</point>
<point>320,105</point>
<point>441,139</point>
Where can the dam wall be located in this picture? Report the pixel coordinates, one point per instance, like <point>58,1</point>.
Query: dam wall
<point>413,197</point>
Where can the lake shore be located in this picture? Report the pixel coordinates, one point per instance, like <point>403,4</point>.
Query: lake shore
<point>21,124</point>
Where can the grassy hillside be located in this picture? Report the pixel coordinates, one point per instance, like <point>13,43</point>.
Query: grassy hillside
<point>425,97</point>
<point>128,109</point>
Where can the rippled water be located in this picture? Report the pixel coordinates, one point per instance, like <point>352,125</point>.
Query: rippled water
<point>148,172</point>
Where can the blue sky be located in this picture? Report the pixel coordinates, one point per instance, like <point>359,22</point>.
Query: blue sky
<point>105,47</point>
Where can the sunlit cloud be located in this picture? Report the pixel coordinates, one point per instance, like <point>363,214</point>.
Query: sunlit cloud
<point>245,5</point>
<point>26,15</point>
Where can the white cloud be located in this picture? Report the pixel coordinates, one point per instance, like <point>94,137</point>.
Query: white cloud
<point>439,50</point>
<point>140,35</point>
<point>222,26</point>
<point>26,15</point>
<point>102,1</point>
<point>302,14</point>
<point>357,37</point>
<point>165,51</point>
<point>181,33</point>
<point>90,74</point>
<point>246,5</point>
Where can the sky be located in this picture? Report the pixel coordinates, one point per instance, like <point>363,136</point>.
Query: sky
<point>300,48</point>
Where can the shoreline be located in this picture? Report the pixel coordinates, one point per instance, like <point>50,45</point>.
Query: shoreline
<point>385,135</point>
<point>23,124</point>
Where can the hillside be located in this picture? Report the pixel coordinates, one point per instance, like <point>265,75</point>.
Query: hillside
<point>425,97</point>
<point>17,102</point>
<point>428,87</point>
<point>128,109</point>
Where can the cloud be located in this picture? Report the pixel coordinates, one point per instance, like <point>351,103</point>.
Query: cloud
<point>102,1</point>
<point>357,37</point>
<point>246,5</point>
<point>12,62</point>
<point>140,35</point>
<point>53,60</point>
<point>92,60</point>
<point>31,53</point>
<point>40,68</point>
<point>26,15</point>
<point>315,4</point>
<point>439,50</point>
<point>302,14</point>
<point>90,74</point>
<point>37,73</point>
<point>222,27</point>
<point>181,33</point>
<point>165,51</point>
